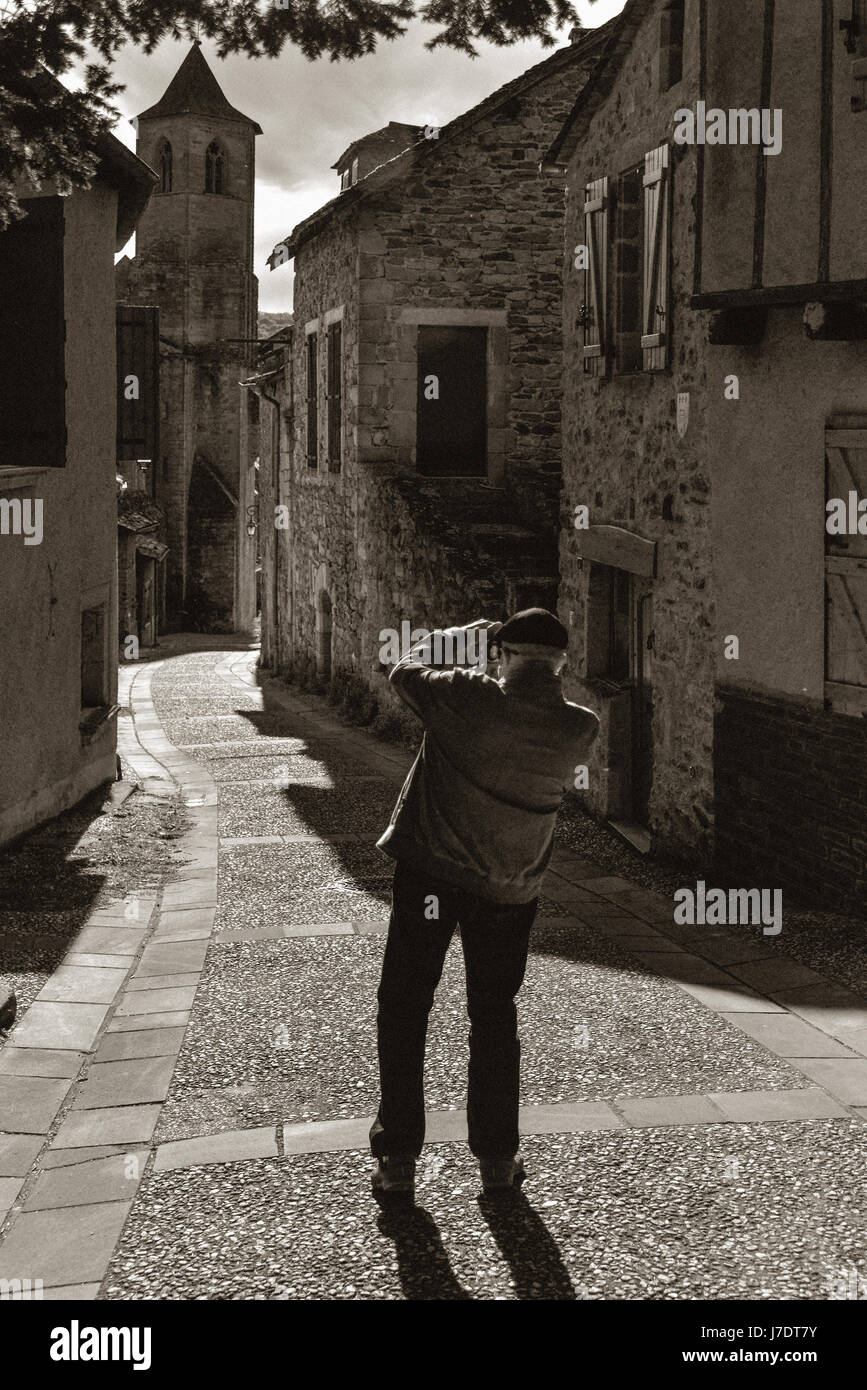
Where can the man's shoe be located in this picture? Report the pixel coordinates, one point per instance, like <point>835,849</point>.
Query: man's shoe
<point>394,1177</point>
<point>501,1174</point>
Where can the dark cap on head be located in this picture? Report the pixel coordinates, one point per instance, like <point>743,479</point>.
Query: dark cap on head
<point>534,627</point>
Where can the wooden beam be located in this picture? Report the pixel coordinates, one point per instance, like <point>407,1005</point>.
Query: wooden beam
<point>623,550</point>
<point>832,292</point>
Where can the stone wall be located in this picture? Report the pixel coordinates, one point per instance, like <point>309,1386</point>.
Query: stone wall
<point>471,233</point>
<point>791,798</point>
<point>624,459</point>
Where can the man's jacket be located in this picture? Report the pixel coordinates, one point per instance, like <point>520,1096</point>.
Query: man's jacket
<point>480,802</point>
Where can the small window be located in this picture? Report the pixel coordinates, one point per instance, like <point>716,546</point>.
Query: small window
<point>344,179</point>
<point>355,171</point>
<point>627,271</point>
<point>312,349</point>
<point>94,667</point>
<point>333,393</point>
<point>671,44</point>
<point>215,169</point>
<point>165,167</point>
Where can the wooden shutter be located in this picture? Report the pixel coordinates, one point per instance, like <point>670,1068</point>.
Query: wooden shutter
<point>138,356</point>
<point>596,276</point>
<point>33,339</point>
<point>311,347</point>
<point>846,577</point>
<point>655,318</point>
<point>334,394</point>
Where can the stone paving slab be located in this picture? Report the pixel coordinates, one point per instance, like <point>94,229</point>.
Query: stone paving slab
<point>119,1124</point>
<point>18,1154</point>
<point>651,1111</point>
<point>155,1001</point>
<point>29,1104</point>
<point>174,1018</point>
<point>144,983</point>
<point>60,1026</point>
<point>94,958</point>
<point>777,974</point>
<point>144,1042</point>
<point>787,1036</point>
<point>830,1007</point>
<point>171,958</point>
<point>67,1158</point>
<point>120,940</point>
<point>845,1078</point>
<point>74,1293</point>
<point>72,1245</point>
<point>9,1189</point>
<point>79,984</point>
<point>134,1081</point>
<point>39,1061</point>
<point>217,1148</point>
<point>762,1106</point>
<point>108,1179</point>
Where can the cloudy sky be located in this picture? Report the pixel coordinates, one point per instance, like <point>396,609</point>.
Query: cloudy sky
<point>309,112</point>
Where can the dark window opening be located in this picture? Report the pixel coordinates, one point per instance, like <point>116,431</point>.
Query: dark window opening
<point>214,169</point>
<point>165,167</point>
<point>451,402</point>
<point>312,402</point>
<point>671,45</point>
<point>94,668</point>
<point>628,217</point>
<point>334,396</point>
<point>324,642</point>
<point>32,338</point>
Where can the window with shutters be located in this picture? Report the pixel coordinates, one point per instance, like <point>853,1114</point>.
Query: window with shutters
<point>312,352</point>
<point>32,339</point>
<point>215,169</point>
<point>670,57</point>
<point>451,401</point>
<point>627,265</point>
<point>656,259</point>
<point>334,394</point>
<point>855,27</point>
<point>846,571</point>
<point>165,166</point>
<point>592,314</point>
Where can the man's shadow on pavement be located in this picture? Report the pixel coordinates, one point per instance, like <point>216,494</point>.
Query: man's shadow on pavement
<point>422,1263</point>
<point>528,1247</point>
<point>532,1254</point>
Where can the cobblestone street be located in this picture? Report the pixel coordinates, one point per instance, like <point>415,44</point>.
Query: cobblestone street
<point>186,1101</point>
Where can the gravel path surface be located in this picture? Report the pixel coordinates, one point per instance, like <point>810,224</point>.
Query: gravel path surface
<point>625,1215</point>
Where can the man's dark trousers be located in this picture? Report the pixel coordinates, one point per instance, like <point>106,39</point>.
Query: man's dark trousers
<point>495,940</point>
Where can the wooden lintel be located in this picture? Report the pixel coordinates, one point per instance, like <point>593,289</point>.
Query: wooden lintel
<point>623,550</point>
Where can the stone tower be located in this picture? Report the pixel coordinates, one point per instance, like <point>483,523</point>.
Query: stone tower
<point>194,260</point>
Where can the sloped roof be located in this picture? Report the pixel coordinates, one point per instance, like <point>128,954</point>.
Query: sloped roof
<point>390,131</point>
<point>591,44</point>
<point>624,28</point>
<point>195,91</point>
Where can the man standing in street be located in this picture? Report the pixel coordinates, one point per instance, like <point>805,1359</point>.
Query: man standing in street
<point>472,834</point>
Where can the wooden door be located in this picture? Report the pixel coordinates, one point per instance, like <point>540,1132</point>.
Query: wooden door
<point>642,702</point>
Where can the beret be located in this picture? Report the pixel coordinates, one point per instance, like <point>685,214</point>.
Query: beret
<point>533,627</point>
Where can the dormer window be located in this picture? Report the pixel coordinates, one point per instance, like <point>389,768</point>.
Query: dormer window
<point>344,179</point>
<point>215,169</point>
<point>164,161</point>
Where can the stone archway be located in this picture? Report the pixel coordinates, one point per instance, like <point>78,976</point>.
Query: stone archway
<point>324,630</point>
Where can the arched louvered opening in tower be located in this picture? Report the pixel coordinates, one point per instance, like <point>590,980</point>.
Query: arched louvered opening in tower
<point>164,160</point>
<point>215,169</point>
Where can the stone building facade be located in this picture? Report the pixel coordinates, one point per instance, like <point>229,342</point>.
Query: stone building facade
<point>58,509</point>
<point>194,261</point>
<point>420,464</point>
<point>714,403</point>
<point>636,588</point>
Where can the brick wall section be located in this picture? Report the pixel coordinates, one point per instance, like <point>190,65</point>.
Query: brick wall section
<point>791,808</point>
<point>623,458</point>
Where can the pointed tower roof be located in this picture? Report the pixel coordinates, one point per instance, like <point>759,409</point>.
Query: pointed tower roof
<point>195,91</point>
